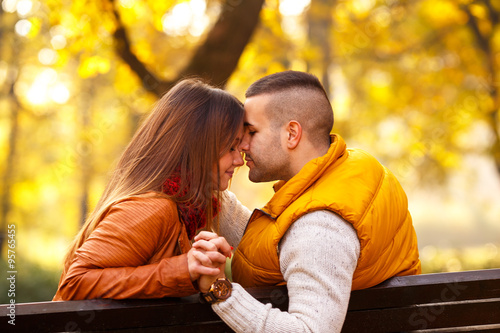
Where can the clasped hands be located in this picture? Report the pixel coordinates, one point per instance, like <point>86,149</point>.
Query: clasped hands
<point>207,259</point>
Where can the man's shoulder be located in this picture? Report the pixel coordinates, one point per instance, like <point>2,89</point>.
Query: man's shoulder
<point>324,219</point>
<point>322,214</point>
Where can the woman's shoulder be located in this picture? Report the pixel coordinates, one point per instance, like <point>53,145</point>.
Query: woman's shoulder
<point>150,204</point>
<point>148,213</point>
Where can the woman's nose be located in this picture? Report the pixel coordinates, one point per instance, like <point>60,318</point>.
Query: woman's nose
<point>244,144</point>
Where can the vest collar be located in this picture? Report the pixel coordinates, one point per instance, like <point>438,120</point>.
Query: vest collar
<point>288,192</point>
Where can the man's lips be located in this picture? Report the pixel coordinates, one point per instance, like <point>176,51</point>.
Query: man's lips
<point>248,159</point>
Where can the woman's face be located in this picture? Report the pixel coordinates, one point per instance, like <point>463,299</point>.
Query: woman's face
<point>229,161</point>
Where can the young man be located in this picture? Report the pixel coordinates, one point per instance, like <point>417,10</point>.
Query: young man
<point>338,221</point>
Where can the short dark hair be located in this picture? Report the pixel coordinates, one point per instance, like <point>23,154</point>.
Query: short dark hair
<point>299,96</point>
<point>281,81</point>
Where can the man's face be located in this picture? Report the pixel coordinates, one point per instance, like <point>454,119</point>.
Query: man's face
<point>261,143</point>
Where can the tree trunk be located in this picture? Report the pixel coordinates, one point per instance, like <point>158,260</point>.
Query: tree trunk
<point>8,175</point>
<point>319,19</point>
<point>85,147</point>
<point>10,158</point>
<point>215,59</point>
<point>486,44</point>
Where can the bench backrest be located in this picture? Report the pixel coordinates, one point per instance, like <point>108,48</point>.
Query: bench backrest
<point>465,301</point>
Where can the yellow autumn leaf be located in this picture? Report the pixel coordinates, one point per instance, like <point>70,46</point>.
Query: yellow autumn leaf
<point>92,66</point>
<point>36,25</point>
<point>442,13</point>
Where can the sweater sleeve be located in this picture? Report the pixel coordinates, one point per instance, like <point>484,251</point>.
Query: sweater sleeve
<point>114,261</point>
<point>233,218</point>
<point>318,256</point>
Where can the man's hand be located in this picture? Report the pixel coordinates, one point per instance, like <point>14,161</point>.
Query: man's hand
<point>205,281</point>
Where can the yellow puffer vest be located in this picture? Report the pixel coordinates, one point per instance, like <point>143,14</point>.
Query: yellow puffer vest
<point>352,184</point>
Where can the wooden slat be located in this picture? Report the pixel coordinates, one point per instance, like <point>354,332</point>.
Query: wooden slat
<point>427,288</point>
<point>215,327</point>
<point>112,314</point>
<point>423,317</point>
<point>108,314</point>
<point>432,301</point>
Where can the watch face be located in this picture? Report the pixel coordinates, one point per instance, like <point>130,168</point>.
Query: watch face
<point>222,289</point>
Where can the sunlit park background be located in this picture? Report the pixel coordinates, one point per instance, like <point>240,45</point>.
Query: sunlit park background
<point>415,83</point>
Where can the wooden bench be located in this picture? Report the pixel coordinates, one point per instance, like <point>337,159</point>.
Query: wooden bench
<point>444,302</point>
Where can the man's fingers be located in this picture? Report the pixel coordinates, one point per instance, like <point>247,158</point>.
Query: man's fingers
<point>209,258</point>
<point>220,242</point>
<point>203,259</point>
<point>206,235</point>
<point>204,270</point>
<point>217,244</point>
<point>222,245</point>
<point>216,258</point>
<point>205,245</point>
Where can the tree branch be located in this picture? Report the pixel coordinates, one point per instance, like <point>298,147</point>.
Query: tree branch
<point>474,25</point>
<point>123,48</point>
<point>218,56</point>
<point>493,13</point>
<point>215,59</point>
<point>484,44</point>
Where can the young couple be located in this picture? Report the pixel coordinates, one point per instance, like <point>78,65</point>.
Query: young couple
<point>338,221</point>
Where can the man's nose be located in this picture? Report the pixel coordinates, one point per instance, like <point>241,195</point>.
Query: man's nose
<point>245,143</point>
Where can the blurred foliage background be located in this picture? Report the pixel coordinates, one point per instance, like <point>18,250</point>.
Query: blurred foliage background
<point>415,83</point>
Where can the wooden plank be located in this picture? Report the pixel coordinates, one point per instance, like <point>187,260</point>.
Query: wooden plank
<point>212,327</point>
<point>426,279</point>
<point>429,288</point>
<point>399,304</point>
<point>113,314</point>
<point>100,314</point>
<point>424,317</point>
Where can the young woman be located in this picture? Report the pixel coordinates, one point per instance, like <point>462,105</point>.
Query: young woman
<point>166,186</point>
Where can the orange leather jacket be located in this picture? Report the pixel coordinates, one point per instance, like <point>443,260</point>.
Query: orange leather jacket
<point>138,250</point>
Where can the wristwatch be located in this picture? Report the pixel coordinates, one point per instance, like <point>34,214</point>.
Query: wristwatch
<point>219,291</point>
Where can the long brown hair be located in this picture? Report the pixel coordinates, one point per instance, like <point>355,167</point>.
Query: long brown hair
<point>189,128</point>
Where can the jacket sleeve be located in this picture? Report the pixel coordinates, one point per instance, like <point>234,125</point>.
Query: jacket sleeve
<point>318,256</point>
<point>114,261</point>
<point>233,218</point>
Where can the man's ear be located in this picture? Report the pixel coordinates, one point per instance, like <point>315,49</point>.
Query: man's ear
<point>294,134</point>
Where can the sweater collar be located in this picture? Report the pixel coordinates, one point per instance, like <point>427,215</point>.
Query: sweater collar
<point>288,192</point>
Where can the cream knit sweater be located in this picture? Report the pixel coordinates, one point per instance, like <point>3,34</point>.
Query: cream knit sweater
<point>318,256</point>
